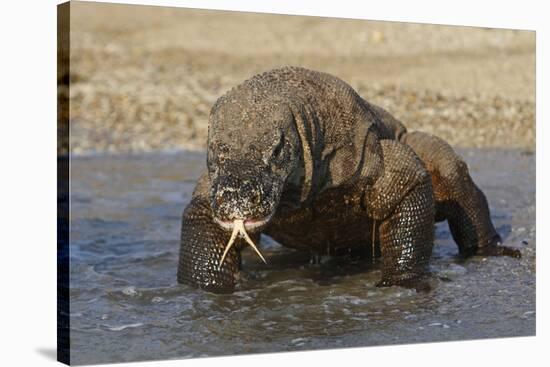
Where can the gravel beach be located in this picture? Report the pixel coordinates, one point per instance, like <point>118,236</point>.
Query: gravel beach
<point>144,78</point>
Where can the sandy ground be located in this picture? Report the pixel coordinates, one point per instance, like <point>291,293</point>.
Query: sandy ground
<point>144,78</point>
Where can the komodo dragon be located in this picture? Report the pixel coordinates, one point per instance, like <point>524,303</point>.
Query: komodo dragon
<point>300,156</point>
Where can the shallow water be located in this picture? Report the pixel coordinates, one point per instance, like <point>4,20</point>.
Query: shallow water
<point>127,306</point>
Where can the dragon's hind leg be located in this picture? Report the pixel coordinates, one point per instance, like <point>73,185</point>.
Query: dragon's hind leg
<point>458,199</point>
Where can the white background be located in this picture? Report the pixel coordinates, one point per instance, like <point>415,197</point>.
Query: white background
<point>28,181</point>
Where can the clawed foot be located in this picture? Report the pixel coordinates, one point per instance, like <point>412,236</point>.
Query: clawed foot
<point>498,250</point>
<point>495,248</point>
<point>420,284</point>
<point>492,248</point>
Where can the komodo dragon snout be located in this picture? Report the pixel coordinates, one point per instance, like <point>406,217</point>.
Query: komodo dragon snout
<point>248,164</point>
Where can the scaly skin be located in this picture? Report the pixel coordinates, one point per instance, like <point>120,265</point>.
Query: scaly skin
<point>298,155</point>
<point>458,199</point>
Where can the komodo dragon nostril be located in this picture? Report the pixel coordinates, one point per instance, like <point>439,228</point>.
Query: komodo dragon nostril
<point>219,200</point>
<point>256,199</point>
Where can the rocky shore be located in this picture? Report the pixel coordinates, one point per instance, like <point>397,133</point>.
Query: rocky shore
<point>144,78</point>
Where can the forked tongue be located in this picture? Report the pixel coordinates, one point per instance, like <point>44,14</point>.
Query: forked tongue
<point>238,229</point>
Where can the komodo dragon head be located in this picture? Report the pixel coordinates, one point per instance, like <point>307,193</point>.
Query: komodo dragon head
<point>253,147</point>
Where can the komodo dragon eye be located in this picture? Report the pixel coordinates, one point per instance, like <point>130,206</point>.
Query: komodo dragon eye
<point>278,150</point>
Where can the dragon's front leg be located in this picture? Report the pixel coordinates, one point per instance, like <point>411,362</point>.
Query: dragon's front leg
<point>202,247</point>
<point>406,238</point>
